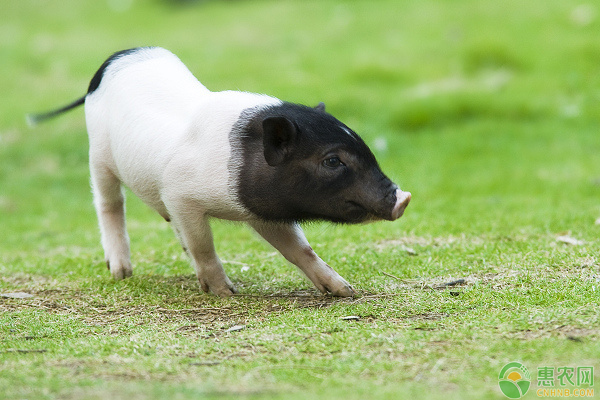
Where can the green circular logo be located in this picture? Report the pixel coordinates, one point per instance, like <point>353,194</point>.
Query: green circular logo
<point>514,380</point>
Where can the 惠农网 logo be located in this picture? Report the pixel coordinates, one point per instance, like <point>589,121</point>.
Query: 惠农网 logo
<point>514,380</point>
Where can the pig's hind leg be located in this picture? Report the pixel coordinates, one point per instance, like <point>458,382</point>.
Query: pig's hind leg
<point>194,233</point>
<point>290,241</point>
<point>110,207</point>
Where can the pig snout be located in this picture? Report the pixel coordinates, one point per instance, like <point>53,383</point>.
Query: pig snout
<point>389,206</point>
<point>402,200</point>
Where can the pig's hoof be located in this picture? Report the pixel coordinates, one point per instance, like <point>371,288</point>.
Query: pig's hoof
<point>225,292</point>
<point>338,289</point>
<point>344,291</point>
<point>120,271</point>
<point>223,289</point>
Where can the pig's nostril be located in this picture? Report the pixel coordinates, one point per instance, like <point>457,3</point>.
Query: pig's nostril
<point>392,195</point>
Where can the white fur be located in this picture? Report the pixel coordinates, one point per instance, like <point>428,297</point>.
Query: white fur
<point>155,128</point>
<point>151,117</point>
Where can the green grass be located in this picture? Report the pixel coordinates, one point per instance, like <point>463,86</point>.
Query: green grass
<point>486,111</point>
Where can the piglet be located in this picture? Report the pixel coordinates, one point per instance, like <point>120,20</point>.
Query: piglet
<point>192,154</point>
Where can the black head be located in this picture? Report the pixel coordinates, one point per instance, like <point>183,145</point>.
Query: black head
<point>301,163</point>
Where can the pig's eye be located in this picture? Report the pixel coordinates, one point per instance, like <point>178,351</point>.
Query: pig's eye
<point>332,162</point>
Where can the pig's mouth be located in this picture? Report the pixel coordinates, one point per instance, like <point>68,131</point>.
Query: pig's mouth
<point>358,213</point>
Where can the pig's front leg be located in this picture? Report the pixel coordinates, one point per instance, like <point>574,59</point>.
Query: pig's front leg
<point>196,237</point>
<point>290,241</point>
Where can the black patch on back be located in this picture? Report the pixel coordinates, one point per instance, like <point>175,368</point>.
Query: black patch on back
<point>95,82</point>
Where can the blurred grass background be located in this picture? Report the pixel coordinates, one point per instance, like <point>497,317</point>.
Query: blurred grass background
<point>472,105</point>
<point>487,111</point>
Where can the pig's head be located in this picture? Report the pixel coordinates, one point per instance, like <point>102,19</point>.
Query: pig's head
<point>296,163</point>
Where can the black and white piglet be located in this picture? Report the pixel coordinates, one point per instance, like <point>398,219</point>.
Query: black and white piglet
<point>192,154</point>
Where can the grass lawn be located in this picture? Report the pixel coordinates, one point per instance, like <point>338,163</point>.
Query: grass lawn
<point>487,111</point>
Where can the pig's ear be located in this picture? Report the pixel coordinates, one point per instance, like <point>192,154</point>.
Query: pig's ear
<point>279,134</point>
<point>320,107</point>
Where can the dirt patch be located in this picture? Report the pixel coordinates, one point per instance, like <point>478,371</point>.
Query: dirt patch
<point>432,316</point>
<point>413,244</point>
<point>195,312</point>
<point>502,279</point>
<point>575,334</point>
<point>420,241</point>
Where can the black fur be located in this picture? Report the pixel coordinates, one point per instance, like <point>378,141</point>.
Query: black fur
<point>37,118</point>
<point>95,82</point>
<point>33,119</point>
<point>288,178</point>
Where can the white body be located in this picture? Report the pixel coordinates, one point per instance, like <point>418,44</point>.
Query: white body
<point>155,128</point>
